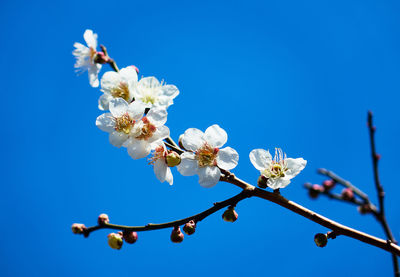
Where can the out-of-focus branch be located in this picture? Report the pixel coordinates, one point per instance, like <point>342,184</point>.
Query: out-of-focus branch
<point>110,61</point>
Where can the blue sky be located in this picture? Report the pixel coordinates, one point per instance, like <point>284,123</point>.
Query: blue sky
<point>300,76</point>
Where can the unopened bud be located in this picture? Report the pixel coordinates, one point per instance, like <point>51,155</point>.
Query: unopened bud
<point>347,194</point>
<point>103,219</point>
<point>115,241</point>
<point>315,190</point>
<point>364,209</point>
<point>262,181</point>
<point>101,58</point>
<point>189,228</point>
<point>329,184</point>
<point>78,228</point>
<point>130,236</point>
<point>177,235</point>
<point>173,159</point>
<point>378,156</point>
<point>321,240</point>
<point>230,215</point>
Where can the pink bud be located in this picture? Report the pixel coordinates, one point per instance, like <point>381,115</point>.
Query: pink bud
<point>315,190</point>
<point>329,184</point>
<point>101,58</point>
<point>364,209</point>
<point>189,228</point>
<point>347,194</point>
<point>176,235</point>
<point>103,219</point>
<point>378,156</point>
<point>130,236</point>
<point>78,228</point>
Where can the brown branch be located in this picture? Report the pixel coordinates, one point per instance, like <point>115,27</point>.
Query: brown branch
<point>110,61</point>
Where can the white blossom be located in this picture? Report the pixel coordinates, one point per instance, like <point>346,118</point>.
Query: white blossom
<point>118,85</point>
<point>146,132</point>
<point>279,170</point>
<point>155,94</point>
<point>160,167</point>
<point>120,121</point>
<point>85,57</point>
<point>204,156</point>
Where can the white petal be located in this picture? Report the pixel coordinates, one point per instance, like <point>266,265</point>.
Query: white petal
<point>138,149</point>
<point>260,158</point>
<point>104,101</point>
<point>161,133</point>
<point>188,165</point>
<point>160,170</point>
<point>209,176</point>
<point>169,178</point>
<point>192,139</point>
<point>118,138</point>
<point>109,81</point>
<point>227,158</point>
<point>128,74</point>
<point>157,116</point>
<point>215,136</point>
<point>93,75</point>
<point>170,90</point>
<point>106,122</point>
<point>294,166</point>
<point>136,110</point>
<point>118,107</point>
<point>90,38</point>
<point>149,82</point>
<point>278,183</point>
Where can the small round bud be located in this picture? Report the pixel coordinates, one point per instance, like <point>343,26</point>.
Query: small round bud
<point>347,194</point>
<point>329,184</point>
<point>103,219</point>
<point>378,156</point>
<point>177,235</point>
<point>115,241</point>
<point>78,228</point>
<point>101,58</point>
<point>230,215</point>
<point>364,209</point>
<point>130,236</point>
<point>172,159</point>
<point>262,182</point>
<point>315,190</point>
<point>321,240</point>
<point>189,228</point>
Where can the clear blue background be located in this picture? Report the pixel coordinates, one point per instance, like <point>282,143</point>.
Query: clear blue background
<point>300,76</point>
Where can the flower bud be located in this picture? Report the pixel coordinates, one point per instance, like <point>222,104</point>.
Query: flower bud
<point>347,194</point>
<point>101,58</point>
<point>321,240</point>
<point>177,235</point>
<point>230,215</point>
<point>78,228</point>
<point>262,181</point>
<point>364,209</point>
<point>172,159</point>
<point>115,241</point>
<point>329,184</point>
<point>315,190</point>
<point>103,219</point>
<point>130,236</point>
<point>189,228</point>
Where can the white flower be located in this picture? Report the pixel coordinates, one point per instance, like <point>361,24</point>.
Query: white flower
<point>155,94</point>
<point>121,121</point>
<point>118,85</point>
<point>85,57</point>
<point>278,171</point>
<point>160,167</point>
<point>146,132</point>
<point>205,156</point>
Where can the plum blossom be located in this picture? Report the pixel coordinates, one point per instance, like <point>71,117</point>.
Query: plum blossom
<point>85,57</point>
<point>120,121</point>
<point>279,170</point>
<point>146,132</point>
<point>118,85</point>
<point>204,156</point>
<point>155,94</point>
<point>160,166</point>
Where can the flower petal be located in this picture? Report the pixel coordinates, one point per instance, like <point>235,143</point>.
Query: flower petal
<point>104,101</point>
<point>93,71</point>
<point>118,138</point>
<point>294,166</point>
<point>161,133</point>
<point>209,176</point>
<point>109,81</point>
<point>278,183</point>
<point>227,158</point>
<point>192,139</point>
<point>169,178</point>
<point>157,116</point>
<point>149,82</point>
<point>138,149</point>
<point>160,170</point>
<point>215,136</point>
<point>260,158</point>
<point>188,165</point>
<point>136,110</point>
<point>128,74</point>
<point>90,38</point>
<point>118,107</point>
<point>106,122</point>
<point>170,90</point>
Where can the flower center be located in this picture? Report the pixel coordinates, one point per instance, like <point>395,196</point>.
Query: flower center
<point>278,166</point>
<point>124,123</point>
<point>146,130</point>
<point>121,91</point>
<point>206,155</point>
<point>149,98</point>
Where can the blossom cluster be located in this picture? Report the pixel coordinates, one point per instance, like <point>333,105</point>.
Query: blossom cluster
<point>135,117</point>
